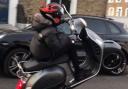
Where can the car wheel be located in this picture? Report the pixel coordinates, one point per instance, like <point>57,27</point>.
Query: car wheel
<point>19,54</point>
<point>114,63</point>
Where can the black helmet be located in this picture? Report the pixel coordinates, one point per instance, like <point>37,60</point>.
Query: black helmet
<point>52,11</point>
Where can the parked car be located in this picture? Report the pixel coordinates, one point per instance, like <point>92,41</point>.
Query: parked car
<point>8,27</point>
<point>108,29</point>
<point>14,44</point>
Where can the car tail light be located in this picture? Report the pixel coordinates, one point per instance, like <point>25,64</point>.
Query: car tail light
<point>20,84</point>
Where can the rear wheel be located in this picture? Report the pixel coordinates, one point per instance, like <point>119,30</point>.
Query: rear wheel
<point>19,54</point>
<point>114,63</point>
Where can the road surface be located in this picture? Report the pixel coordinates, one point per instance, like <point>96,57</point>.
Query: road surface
<point>99,82</point>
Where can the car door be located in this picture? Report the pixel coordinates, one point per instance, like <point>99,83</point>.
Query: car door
<point>97,26</point>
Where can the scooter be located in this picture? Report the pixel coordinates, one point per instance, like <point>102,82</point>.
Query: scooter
<point>59,74</point>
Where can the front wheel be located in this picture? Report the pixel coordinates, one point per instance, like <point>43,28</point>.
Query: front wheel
<point>114,62</point>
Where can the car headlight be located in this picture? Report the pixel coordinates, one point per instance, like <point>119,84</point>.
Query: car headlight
<point>2,35</point>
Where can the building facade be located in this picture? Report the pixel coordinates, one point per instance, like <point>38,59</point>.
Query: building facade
<point>8,11</point>
<point>117,8</point>
<point>21,11</point>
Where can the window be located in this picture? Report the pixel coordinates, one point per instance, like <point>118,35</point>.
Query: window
<point>126,12</point>
<point>65,2</point>
<point>57,1</point>
<point>118,1</point>
<point>113,29</point>
<point>97,26</point>
<point>111,11</point>
<point>4,5</point>
<point>126,0</point>
<point>110,1</point>
<point>119,11</point>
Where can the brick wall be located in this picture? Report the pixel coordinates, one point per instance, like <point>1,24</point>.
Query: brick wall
<point>26,10</point>
<point>123,4</point>
<point>92,7</point>
<point>88,7</point>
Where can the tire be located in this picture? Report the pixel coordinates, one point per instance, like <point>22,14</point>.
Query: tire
<point>10,67</point>
<point>114,63</point>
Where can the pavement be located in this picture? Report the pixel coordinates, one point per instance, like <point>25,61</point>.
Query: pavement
<point>106,82</point>
<point>100,82</point>
<point>7,83</point>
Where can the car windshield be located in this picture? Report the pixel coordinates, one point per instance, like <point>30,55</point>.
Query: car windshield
<point>29,27</point>
<point>7,27</point>
<point>62,28</point>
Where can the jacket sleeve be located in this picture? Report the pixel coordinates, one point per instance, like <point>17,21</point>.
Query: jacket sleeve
<point>39,22</point>
<point>39,27</point>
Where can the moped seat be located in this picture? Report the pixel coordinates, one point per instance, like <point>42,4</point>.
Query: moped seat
<point>34,65</point>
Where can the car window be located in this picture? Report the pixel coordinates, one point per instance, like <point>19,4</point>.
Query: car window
<point>64,28</point>
<point>113,29</point>
<point>97,26</point>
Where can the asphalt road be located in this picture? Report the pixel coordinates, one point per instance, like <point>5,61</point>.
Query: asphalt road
<point>99,82</point>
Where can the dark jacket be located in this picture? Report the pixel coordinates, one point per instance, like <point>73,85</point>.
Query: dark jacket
<point>47,41</point>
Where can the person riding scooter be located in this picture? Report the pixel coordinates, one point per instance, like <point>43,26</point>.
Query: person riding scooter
<point>58,65</point>
<point>46,22</point>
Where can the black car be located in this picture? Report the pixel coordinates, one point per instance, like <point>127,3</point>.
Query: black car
<point>15,45</point>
